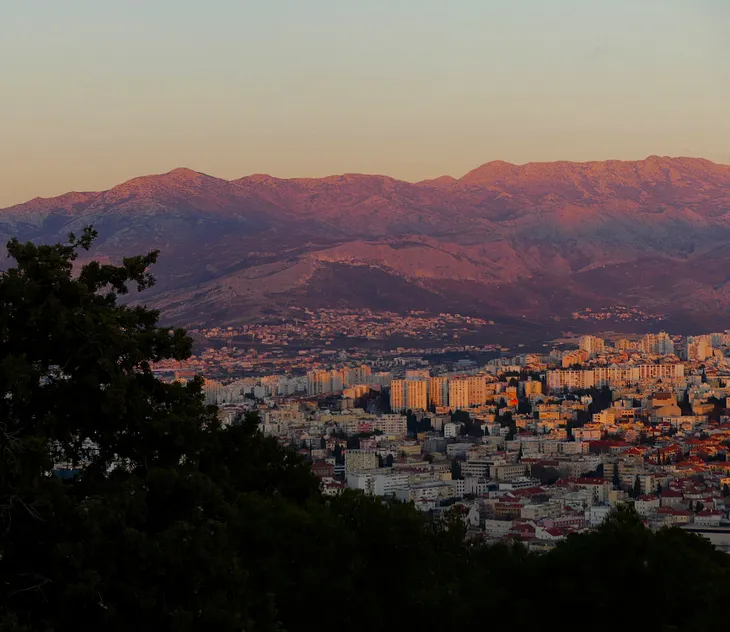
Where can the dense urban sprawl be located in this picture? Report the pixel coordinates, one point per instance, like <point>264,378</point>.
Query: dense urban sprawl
<point>527,447</point>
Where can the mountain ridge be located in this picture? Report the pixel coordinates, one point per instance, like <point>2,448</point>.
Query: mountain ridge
<point>192,173</point>
<point>593,233</point>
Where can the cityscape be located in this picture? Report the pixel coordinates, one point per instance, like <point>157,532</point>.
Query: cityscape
<point>528,446</point>
<point>336,316</point>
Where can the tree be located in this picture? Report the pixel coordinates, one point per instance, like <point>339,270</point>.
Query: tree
<point>143,534</point>
<point>699,507</point>
<point>725,490</point>
<point>637,487</point>
<point>338,454</point>
<point>524,407</point>
<point>546,475</point>
<point>615,478</point>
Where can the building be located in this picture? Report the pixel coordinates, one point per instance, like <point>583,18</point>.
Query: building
<point>477,468</point>
<point>699,348</point>
<point>614,375</point>
<point>508,472</point>
<point>438,391</point>
<point>592,345</point>
<point>356,375</point>
<point>657,344</point>
<point>398,396</point>
<point>388,483</point>
<point>477,386</point>
<point>361,460</point>
<point>571,379</point>
<point>417,394</point>
<point>459,393</point>
<point>322,382</point>
<point>531,387</point>
<point>391,424</point>
<point>408,395</point>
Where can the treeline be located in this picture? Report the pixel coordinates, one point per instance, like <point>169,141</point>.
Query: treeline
<point>177,523</point>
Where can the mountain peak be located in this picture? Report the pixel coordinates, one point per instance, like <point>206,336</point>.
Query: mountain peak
<point>184,172</point>
<point>179,178</point>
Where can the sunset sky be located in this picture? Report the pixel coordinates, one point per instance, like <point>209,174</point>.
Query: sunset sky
<point>94,92</point>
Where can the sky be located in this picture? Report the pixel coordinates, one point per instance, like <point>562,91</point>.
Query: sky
<point>94,92</point>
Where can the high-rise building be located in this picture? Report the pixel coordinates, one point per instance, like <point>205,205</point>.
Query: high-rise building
<point>417,394</point>
<point>659,344</point>
<point>356,375</point>
<point>321,382</point>
<point>382,378</point>
<point>408,395</point>
<point>624,344</point>
<point>459,393</point>
<point>591,344</point>
<point>438,391</point>
<point>398,395</point>
<point>477,390</point>
<point>699,348</point>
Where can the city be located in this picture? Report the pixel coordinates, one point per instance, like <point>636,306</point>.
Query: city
<point>528,447</point>
<point>338,316</point>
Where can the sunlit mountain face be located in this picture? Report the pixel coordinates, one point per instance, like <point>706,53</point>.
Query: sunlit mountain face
<point>537,241</point>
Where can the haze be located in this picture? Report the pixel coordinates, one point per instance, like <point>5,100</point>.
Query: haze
<point>94,93</point>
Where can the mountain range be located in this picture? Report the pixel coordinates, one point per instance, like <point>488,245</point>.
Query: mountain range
<point>535,241</point>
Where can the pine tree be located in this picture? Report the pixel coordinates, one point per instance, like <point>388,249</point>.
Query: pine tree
<point>616,479</point>
<point>637,487</point>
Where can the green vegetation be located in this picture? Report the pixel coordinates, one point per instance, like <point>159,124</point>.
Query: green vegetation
<point>178,523</point>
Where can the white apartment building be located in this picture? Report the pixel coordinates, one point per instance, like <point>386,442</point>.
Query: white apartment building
<point>477,468</point>
<point>614,375</point>
<point>508,472</point>
<point>388,483</point>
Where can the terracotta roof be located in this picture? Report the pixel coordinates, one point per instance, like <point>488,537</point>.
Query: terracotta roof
<point>668,493</point>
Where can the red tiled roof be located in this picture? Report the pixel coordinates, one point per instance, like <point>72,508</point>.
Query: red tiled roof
<point>555,531</point>
<point>590,481</point>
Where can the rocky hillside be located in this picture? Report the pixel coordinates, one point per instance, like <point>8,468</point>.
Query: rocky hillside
<point>536,240</point>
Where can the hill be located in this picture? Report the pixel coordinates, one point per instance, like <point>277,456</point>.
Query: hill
<point>534,241</point>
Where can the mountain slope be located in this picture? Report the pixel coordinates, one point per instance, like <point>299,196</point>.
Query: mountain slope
<point>536,240</point>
